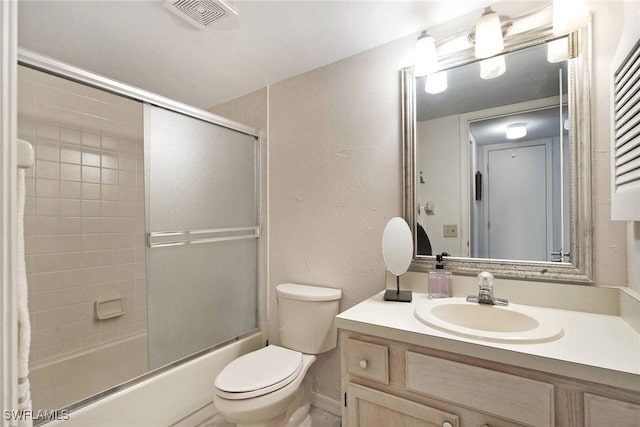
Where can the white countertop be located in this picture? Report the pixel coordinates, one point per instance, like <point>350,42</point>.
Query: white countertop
<point>595,347</point>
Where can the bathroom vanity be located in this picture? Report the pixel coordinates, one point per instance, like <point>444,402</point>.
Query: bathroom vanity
<point>399,371</point>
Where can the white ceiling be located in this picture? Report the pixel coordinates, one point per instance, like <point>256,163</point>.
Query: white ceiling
<point>143,44</point>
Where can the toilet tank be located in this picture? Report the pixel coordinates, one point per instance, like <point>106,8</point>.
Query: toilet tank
<point>306,316</point>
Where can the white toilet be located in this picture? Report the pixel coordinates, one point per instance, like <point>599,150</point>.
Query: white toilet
<point>267,387</point>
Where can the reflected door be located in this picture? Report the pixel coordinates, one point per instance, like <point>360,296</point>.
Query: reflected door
<point>518,210</point>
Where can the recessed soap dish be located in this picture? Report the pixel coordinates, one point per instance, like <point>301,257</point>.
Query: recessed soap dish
<point>109,308</point>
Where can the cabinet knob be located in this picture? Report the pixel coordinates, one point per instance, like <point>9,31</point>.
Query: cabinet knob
<point>364,364</point>
<point>447,424</point>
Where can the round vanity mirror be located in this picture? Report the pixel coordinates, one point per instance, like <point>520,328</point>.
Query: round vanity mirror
<point>397,246</point>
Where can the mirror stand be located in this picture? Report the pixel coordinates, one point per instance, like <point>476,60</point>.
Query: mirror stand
<point>398,295</point>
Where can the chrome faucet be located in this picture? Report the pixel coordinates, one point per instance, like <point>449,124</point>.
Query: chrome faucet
<point>485,293</point>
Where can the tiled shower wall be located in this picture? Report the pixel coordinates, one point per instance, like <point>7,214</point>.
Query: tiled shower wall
<point>84,214</point>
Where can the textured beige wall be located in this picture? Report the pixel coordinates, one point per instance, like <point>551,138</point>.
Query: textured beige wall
<point>335,180</point>
<point>335,175</point>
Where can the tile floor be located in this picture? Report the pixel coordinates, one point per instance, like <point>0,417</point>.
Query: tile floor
<point>209,417</point>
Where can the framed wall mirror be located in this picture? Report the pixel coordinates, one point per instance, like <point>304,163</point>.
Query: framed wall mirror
<point>516,204</point>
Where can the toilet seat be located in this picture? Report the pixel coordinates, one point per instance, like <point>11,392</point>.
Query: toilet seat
<point>258,373</point>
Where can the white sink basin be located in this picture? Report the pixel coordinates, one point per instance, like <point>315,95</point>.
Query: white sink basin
<point>511,324</point>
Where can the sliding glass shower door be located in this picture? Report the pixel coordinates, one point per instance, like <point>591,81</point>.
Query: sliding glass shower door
<point>202,206</point>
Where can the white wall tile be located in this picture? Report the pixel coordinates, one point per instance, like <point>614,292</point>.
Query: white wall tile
<point>71,137</point>
<point>70,172</point>
<point>70,190</point>
<point>47,188</point>
<point>47,152</point>
<point>46,206</point>
<point>109,176</point>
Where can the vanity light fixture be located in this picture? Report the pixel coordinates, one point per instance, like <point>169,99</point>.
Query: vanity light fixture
<point>558,50</point>
<point>491,68</point>
<point>516,130</point>
<point>436,82</point>
<point>426,61</point>
<point>488,36</point>
<point>568,16</point>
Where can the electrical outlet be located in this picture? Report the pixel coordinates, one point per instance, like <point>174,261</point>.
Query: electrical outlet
<point>450,230</point>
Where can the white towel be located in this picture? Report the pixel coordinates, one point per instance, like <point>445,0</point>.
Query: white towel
<point>24,323</point>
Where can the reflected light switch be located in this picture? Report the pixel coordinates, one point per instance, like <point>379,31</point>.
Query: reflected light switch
<point>450,230</point>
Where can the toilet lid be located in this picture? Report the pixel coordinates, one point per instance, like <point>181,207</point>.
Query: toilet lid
<point>259,372</point>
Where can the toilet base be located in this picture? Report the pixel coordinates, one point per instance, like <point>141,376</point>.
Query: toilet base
<point>299,410</point>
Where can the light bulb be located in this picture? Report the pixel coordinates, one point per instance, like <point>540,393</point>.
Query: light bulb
<point>488,36</point>
<point>492,67</point>
<point>436,83</point>
<point>426,60</point>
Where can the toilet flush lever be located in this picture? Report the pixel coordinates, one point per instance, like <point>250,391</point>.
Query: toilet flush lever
<point>364,364</point>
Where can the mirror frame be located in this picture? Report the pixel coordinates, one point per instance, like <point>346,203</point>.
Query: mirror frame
<point>580,269</point>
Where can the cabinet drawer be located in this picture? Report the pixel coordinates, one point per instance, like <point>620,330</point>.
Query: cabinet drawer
<point>368,360</point>
<point>507,396</point>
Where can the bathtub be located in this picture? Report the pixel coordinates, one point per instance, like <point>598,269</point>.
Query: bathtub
<point>87,373</point>
<point>164,397</point>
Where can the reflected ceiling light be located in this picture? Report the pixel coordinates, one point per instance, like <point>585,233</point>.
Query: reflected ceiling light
<point>488,37</point>
<point>436,83</point>
<point>516,130</point>
<point>426,61</point>
<point>568,16</point>
<point>492,67</point>
<point>558,50</point>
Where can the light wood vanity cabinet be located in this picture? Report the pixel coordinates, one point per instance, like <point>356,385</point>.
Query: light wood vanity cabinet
<point>371,407</point>
<point>390,383</point>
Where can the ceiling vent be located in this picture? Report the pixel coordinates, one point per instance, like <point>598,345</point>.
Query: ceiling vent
<point>200,13</point>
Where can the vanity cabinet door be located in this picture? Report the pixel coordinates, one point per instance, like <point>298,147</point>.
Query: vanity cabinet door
<point>602,412</point>
<point>372,408</point>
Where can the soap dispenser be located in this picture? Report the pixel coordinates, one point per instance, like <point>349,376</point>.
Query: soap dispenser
<point>440,281</point>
